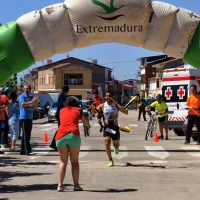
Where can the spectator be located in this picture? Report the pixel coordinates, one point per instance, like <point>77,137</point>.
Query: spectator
<point>27,103</point>
<point>13,119</point>
<point>193,105</point>
<point>2,118</point>
<point>89,108</point>
<point>162,110</point>
<point>142,104</point>
<point>4,125</point>
<point>61,104</point>
<point>68,141</point>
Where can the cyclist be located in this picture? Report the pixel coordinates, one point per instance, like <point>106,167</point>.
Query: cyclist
<point>111,129</point>
<point>162,110</point>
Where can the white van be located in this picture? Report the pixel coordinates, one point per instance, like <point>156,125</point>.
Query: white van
<point>176,84</point>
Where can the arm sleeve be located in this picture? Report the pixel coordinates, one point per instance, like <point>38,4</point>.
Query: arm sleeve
<point>188,101</point>
<point>153,104</point>
<point>21,99</point>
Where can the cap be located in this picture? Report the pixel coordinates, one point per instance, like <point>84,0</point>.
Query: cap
<point>159,97</point>
<point>6,90</point>
<point>95,92</point>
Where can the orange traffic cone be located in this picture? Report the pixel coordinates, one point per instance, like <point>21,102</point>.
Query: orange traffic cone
<point>46,137</point>
<point>156,137</point>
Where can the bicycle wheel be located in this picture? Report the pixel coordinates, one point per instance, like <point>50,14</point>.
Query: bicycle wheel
<point>154,127</point>
<point>149,128</point>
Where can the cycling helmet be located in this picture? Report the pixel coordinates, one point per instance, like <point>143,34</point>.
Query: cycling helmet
<point>159,97</point>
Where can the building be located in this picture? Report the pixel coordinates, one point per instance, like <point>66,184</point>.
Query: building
<point>52,76</point>
<point>148,73</point>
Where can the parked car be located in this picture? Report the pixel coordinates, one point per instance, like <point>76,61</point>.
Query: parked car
<point>52,112</point>
<point>194,130</point>
<point>38,113</point>
<point>133,105</point>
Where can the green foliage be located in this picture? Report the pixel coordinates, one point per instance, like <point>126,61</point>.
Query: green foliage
<point>12,83</point>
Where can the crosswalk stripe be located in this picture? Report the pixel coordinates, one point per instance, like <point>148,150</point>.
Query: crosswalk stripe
<point>133,125</point>
<point>157,151</point>
<point>191,150</point>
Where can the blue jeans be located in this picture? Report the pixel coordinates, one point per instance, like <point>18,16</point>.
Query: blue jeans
<point>191,120</point>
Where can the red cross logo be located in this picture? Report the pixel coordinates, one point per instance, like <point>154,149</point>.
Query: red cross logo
<point>168,93</point>
<point>181,92</point>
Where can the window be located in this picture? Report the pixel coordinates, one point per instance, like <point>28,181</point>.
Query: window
<point>49,80</point>
<point>52,80</point>
<point>73,79</point>
<point>42,80</point>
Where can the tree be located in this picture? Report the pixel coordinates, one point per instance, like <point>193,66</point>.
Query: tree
<point>12,83</point>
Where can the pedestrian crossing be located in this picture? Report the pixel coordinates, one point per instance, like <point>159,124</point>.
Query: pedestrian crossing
<point>158,152</point>
<point>48,127</point>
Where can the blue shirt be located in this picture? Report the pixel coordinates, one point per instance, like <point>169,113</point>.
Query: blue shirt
<point>14,112</point>
<point>61,99</point>
<point>26,112</point>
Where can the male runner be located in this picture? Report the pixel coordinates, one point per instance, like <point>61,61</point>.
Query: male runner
<point>96,102</point>
<point>111,129</point>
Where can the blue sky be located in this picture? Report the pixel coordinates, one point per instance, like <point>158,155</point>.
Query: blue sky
<point>120,57</point>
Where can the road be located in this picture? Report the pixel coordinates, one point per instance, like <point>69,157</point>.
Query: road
<point>143,169</point>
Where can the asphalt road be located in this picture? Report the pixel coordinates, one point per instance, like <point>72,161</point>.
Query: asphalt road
<point>143,169</point>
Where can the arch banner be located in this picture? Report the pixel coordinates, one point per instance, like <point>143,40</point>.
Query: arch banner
<point>62,27</point>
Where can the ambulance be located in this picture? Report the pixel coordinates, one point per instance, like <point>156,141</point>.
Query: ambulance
<point>176,84</point>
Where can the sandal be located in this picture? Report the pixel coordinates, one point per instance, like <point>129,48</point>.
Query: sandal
<point>78,188</point>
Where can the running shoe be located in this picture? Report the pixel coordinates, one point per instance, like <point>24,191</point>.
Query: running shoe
<point>78,188</point>
<point>60,189</point>
<point>166,137</point>
<point>111,163</point>
<point>116,151</point>
<point>13,150</point>
<point>185,142</point>
<point>1,152</point>
<point>161,137</point>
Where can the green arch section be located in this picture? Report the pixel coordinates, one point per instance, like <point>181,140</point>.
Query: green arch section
<point>15,55</point>
<point>192,55</point>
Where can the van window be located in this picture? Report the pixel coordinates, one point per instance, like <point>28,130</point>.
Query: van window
<point>175,93</point>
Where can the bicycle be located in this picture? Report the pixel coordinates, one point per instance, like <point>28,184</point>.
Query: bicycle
<point>86,130</point>
<point>152,124</point>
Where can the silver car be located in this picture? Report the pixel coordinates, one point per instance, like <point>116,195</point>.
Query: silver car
<point>52,112</point>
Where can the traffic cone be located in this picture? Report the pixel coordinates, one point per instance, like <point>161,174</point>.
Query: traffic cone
<point>46,137</point>
<point>156,137</point>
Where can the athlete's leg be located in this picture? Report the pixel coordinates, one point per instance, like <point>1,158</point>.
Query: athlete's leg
<point>116,144</point>
<point>107,141</point>
<point>166,128</point>
<point>161,129</point>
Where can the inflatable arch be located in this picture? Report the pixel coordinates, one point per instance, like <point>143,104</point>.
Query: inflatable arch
<point>62,27</point>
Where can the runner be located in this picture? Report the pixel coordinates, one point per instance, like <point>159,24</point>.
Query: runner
<point>111,129</point>
<point>96,102</point>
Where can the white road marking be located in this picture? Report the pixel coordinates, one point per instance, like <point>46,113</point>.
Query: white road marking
<point>39,152</point>
<point>47,129</point>
<point>85,151</point>
<point>96,125</point>
<point>190,148</point>
<point>133,125</point>
<point>80,124</point>
<point>121,154</point>
<point>157,151</point>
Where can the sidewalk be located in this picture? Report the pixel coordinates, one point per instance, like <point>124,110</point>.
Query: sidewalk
<point>44,120</point>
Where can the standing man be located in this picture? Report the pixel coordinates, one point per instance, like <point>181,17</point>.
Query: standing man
<point>193,105</point>
<point>61,103</point>
<point>111,129</point>
<point>27,102</point>
<point>96,102</point>
<point>142,104</point>
<point>2,118</point>
<point>162,110</point>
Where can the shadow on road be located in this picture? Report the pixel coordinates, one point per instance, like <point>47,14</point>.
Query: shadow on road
<point>113,190</point>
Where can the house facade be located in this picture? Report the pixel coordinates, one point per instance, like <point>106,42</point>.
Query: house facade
<point>80,75</point>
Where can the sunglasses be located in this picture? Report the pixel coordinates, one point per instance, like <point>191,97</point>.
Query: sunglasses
<point>27,88</point>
